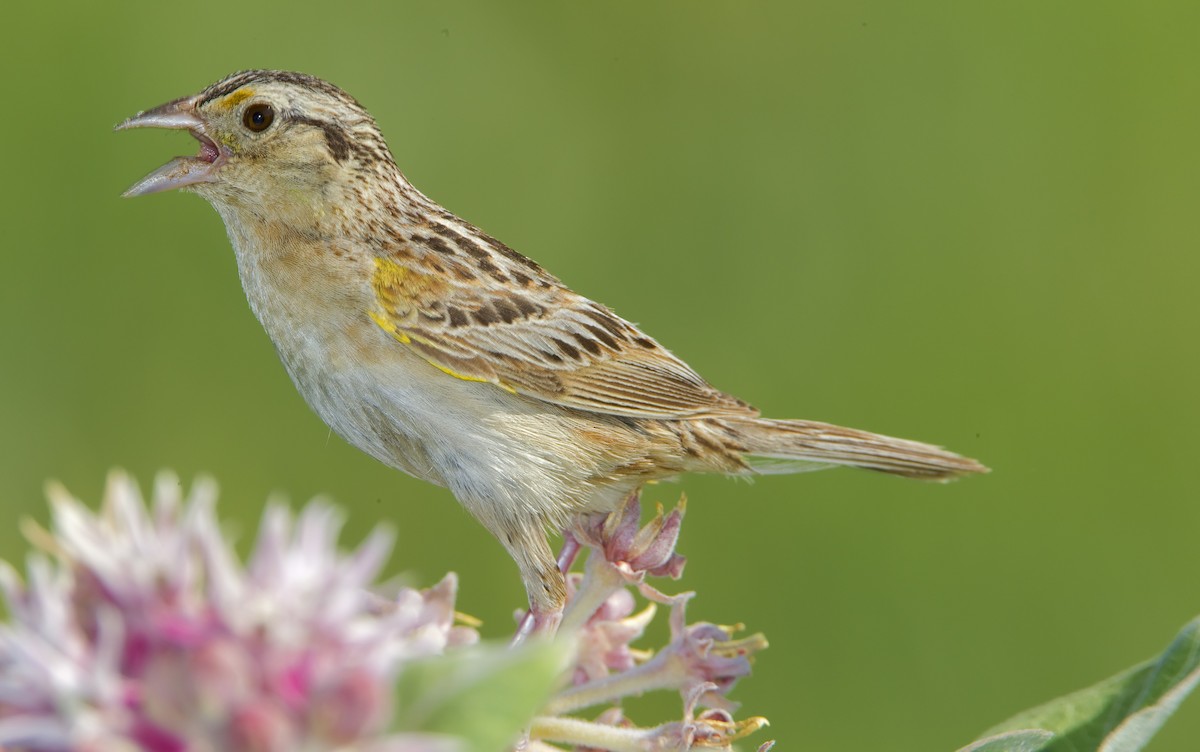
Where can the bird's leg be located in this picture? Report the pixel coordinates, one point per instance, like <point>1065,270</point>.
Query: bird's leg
<point>544,581</point>
<point>570,549</point>
<point>530,623</point>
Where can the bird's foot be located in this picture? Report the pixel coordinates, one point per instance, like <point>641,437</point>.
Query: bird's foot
<point>538,621</point>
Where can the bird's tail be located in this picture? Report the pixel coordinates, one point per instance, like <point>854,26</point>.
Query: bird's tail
<point>791,446</point>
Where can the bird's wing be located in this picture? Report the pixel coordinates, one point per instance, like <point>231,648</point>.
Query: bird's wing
<point>533,336</point>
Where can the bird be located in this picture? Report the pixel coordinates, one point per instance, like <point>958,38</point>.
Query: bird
<point>442,352</point>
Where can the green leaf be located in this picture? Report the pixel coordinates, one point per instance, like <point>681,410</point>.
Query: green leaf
<point>1023,740</point>
<point>485,695</point>
<point>1122,713</point>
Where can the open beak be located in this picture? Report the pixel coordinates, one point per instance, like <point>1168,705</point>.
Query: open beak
<point>180,171</point>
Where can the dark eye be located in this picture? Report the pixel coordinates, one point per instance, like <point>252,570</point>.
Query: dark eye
<point>258,117</point>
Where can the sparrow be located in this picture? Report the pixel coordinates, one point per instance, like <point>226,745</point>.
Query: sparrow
<point>442,352</point>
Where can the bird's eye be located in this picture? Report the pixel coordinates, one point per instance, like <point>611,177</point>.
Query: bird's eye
<point>258,117</point>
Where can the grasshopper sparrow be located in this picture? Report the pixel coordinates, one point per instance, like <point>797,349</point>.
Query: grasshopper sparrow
<point>442,352</point>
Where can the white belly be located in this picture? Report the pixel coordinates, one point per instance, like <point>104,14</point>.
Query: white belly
<point>500,454</point>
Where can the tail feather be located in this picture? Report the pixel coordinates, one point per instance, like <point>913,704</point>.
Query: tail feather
<point>788,446</point>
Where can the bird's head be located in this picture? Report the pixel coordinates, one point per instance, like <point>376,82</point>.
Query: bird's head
<point>267,139</point>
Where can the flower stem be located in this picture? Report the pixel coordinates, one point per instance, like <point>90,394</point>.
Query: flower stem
<point>600,580</point>
<point>580,733</point>
<point>661,672</point>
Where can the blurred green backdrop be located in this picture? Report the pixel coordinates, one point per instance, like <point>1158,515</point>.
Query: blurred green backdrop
<point>969,223</point>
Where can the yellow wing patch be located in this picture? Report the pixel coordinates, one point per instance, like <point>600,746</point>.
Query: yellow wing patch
<point>395,288</point>
<point>465,377</point>
<point>398,287</point>
<point>389,327</point>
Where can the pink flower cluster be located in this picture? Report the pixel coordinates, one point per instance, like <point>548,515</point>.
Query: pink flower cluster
<point>701,661</point>
<point>137,629</point>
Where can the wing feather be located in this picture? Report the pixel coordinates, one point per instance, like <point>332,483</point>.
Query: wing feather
<point>541,340</point>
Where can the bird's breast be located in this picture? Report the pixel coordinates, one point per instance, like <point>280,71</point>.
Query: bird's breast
<point>495,450</point>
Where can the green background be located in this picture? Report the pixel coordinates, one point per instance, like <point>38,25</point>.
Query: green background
<point>968,223</point>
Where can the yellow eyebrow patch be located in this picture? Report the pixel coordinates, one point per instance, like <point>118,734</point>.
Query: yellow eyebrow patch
<point>233,99</point>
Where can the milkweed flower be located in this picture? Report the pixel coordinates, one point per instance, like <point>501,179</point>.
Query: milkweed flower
<point>702,661</point>
<point>137,628</point>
